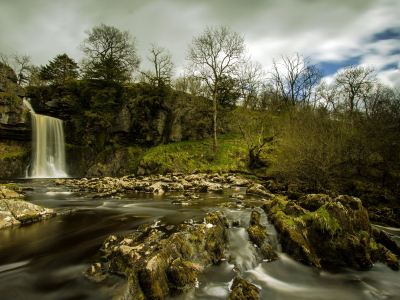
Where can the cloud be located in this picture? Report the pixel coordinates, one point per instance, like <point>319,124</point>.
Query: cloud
<point>330,33</point>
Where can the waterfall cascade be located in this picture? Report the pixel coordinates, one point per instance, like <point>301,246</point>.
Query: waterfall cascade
<point>48,155</point>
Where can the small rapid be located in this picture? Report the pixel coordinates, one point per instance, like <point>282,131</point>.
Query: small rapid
<point>46,260</point>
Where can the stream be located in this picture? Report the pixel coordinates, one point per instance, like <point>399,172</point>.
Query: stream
<point>46,260</point>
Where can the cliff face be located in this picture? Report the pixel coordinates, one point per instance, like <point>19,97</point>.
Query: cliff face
<point>15,126</point>
<point>100,136</point>
<point>15,118</point>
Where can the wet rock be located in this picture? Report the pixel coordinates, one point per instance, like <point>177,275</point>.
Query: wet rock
<point>96,273</point>
<point>384,238</point>
<point>258,235</point>
<point>176,186</point>
<point>380,253</point>
<point>237,196</point>
<point>17,212</point>
<point>236,223</point>
<point>157,188</point>
<point>145,227</point>
<point>154,265</point>
<point>28,188</point>
<point>335,230</point>
<point>259,190</point>
<point>240,182</point>
<point>243,289</point>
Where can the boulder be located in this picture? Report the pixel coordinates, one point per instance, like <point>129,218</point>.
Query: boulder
<point>320,229</point>
<point>259,236</point>
<point>243,289</point>
<point>259,190</point>
<point>17,212</point>
<point>153,265</point>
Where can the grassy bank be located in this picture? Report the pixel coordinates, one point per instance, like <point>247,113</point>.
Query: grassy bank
<point>197,155</point>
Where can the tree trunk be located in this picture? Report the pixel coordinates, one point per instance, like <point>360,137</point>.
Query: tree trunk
<point>215,141</point>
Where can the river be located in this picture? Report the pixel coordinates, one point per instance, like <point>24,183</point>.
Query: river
<point>46,260</point>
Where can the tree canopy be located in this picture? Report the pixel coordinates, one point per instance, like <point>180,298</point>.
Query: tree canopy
<point>59,69</point>
<point>110,54</point>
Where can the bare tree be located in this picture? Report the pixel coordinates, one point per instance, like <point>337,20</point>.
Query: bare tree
<point>295,79</point>
<point>352,85</point>
<point>20,63</point>
<point>215,53</point>
<point>251,78</point>
<point>161,59</point>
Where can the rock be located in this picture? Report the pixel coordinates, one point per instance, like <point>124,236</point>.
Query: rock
<point>154,265</point>
<point>28,188</point>
<point>176,186</point>
<point>337,231</point>
<point>258,235</point>
<point>17,212</point>
<point>237,196</point>
<point>236,223</point>
<point>384,238</point>
<point>259,190</point>
<point>215,188</point>
<point>240,182</point>
<point>157,188</point>
<point>242,289</point>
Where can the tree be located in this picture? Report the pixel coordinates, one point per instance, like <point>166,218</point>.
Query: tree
<point>110,53</point>
<point>20,63</point>
<point>251,78</point>
<point>59,69</point>
<point>161,59</point>
<point>215,53</point>
<point>295,79</point>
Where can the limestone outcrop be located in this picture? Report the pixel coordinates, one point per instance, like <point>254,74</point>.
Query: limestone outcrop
<point>154,264</point>
<point>318,229</point>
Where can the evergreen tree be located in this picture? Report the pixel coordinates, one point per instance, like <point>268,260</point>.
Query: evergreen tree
<point>59,69</point>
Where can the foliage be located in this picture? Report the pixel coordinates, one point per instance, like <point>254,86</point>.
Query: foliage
<point>59,70</point>
<point>110,54</point>
<point>10,99</point>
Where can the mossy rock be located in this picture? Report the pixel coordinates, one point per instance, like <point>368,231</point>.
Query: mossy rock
<point>242,289</point>
<point>319,229</point>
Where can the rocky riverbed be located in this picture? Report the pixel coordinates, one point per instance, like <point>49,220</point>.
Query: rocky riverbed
<point>181,231</point>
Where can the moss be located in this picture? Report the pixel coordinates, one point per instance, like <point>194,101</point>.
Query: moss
<point>242,289</point>
<point>28,218</point>
<point>10,99</point>
<point>13,187</point>
<point>15,155</point>
<point>321,220</point>
<point>181,275</point>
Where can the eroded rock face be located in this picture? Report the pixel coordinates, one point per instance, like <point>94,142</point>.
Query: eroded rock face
<point>320,229</point>
<point>153,265</point>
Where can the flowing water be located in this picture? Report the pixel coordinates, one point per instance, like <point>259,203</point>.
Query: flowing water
<point>45,260</point>
<point>48,155</point>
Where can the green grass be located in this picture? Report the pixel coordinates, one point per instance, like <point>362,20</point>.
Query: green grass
<point>11,186</point>
<point>189,156</point>
<point>15,155</point>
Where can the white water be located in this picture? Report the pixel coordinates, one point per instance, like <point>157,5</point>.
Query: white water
<point>48,155</point>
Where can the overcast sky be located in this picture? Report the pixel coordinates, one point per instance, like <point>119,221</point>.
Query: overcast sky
<point>332,33</point>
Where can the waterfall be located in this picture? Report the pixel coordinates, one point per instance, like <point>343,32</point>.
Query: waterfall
<point>48,155</point>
